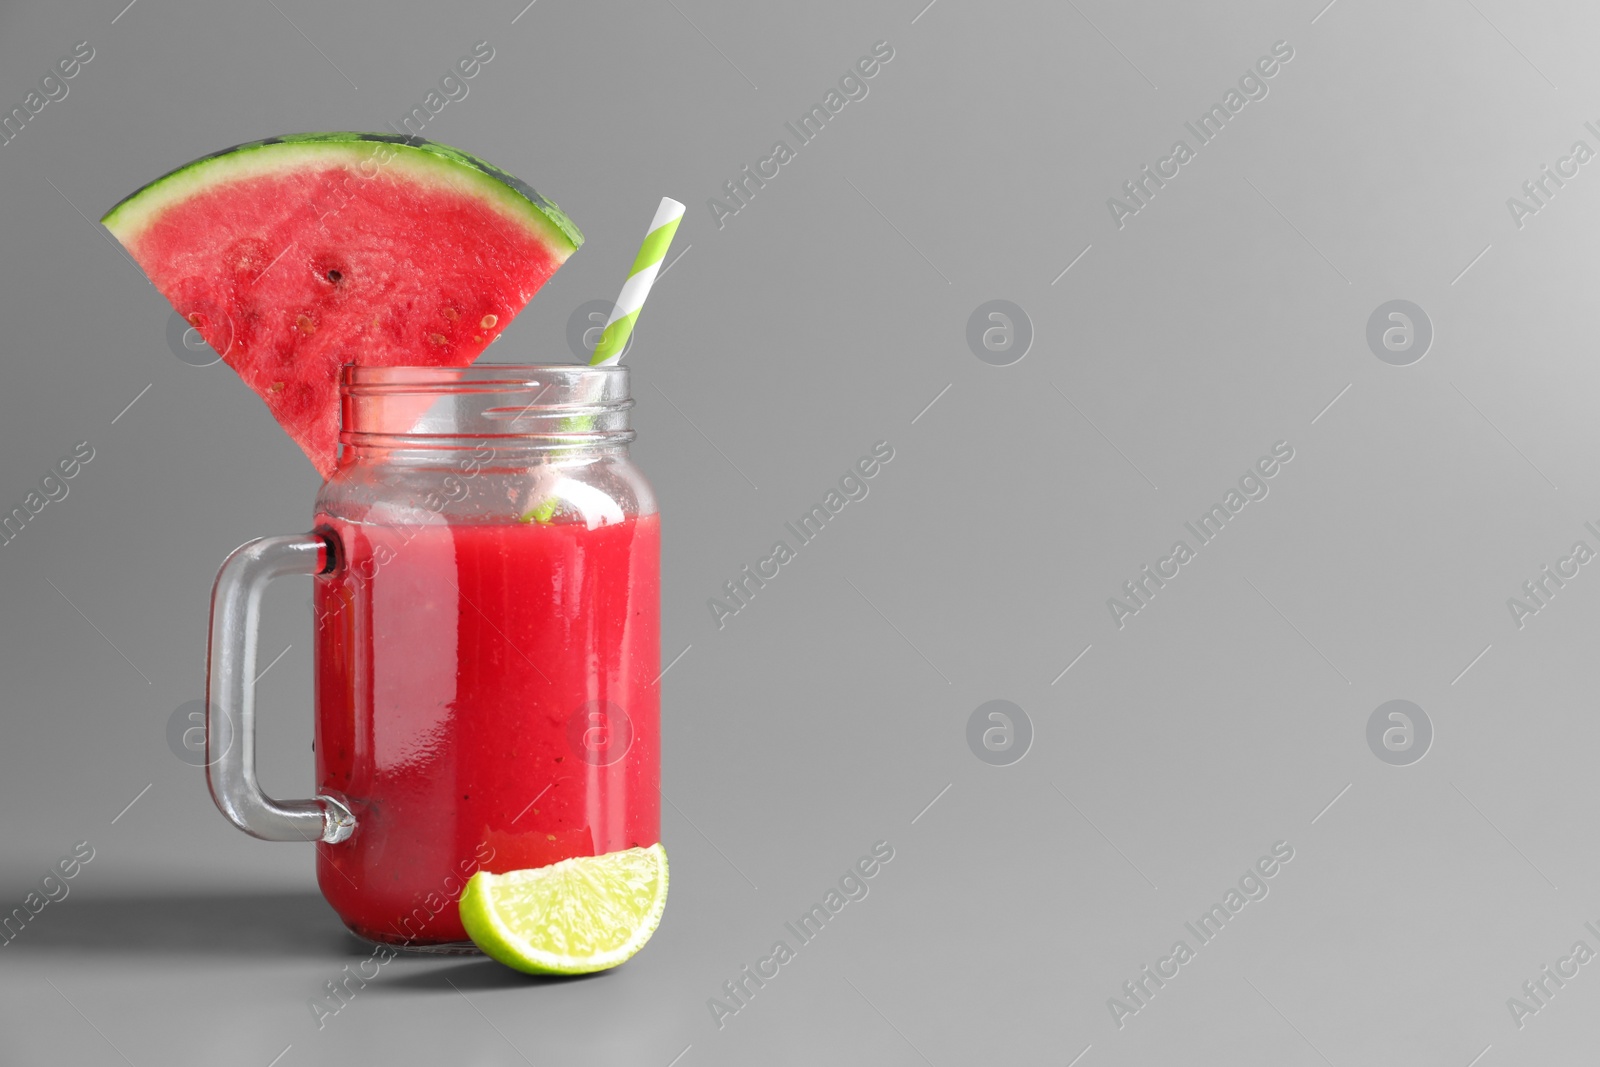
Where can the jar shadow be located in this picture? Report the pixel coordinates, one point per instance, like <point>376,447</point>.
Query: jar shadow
<point>212,926</point>
<point>208,924</point>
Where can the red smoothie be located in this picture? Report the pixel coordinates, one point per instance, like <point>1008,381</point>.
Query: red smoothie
<point>486,699</point>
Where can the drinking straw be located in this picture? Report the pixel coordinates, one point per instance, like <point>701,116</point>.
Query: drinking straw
<point>614,338</point>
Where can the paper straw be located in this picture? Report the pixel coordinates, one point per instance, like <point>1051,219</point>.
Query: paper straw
<point>614,338</point>
<point>643,275</point>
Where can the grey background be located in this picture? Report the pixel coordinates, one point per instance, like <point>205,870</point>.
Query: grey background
<point>1230,714</point>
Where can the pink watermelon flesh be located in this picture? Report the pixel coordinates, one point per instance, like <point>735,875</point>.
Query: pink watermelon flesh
<point>291,273</point>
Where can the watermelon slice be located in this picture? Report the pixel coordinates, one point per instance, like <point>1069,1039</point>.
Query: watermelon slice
<point>295,255</point>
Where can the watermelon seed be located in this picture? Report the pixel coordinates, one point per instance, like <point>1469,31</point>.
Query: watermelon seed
<point>452,314</point>
<point>306,325</point>
<point>437,338</point>
<point>489,321</point>
<point>335,277</point>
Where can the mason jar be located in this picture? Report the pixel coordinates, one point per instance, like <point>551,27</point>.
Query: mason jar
<point>487,645</point>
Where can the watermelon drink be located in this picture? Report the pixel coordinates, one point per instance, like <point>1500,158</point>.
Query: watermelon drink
<point>486,655</point>
<point>489,694</point>
<point>486,682</point>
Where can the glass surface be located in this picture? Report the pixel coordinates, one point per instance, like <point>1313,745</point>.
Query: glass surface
<point>487,644</point>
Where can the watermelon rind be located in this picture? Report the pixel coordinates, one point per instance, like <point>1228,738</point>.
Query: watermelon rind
<point>419,158</point>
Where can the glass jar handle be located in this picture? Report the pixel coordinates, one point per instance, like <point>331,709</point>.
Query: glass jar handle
<point>230,693</point>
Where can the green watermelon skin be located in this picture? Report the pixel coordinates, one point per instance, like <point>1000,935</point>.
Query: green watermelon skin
<point>295,255</point>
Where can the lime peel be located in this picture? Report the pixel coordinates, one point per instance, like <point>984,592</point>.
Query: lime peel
<point>580,915</point>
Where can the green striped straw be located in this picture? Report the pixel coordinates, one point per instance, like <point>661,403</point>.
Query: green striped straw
<point>614,338</point>
<point>643,275</point>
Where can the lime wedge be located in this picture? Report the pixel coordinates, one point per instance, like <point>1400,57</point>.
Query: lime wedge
<point>573,917</point>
